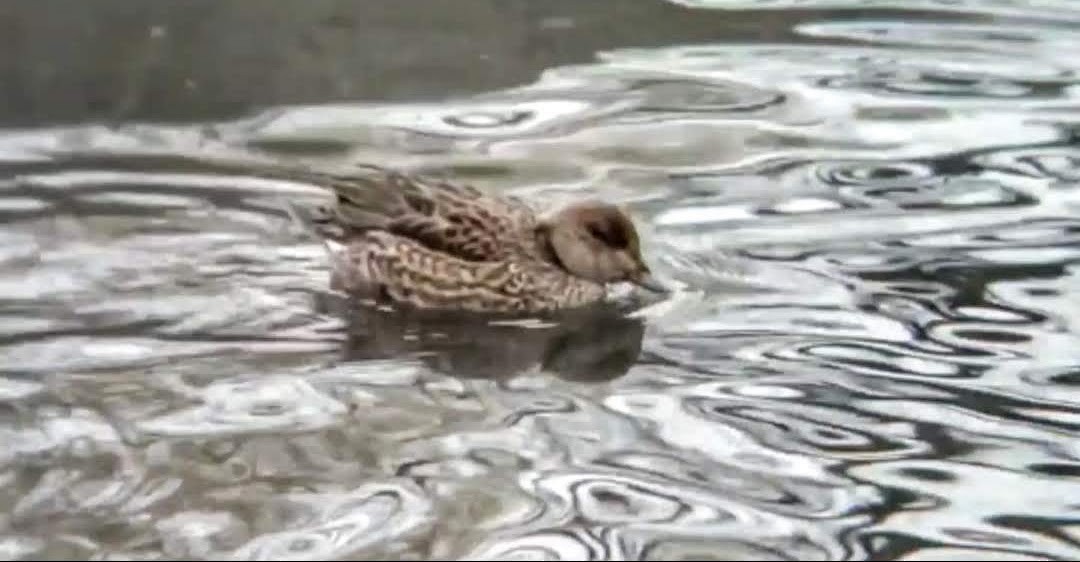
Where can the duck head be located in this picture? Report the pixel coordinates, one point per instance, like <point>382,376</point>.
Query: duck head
<point>598,241</point>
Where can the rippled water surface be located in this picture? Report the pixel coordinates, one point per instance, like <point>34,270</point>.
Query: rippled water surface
<point>874,351</point>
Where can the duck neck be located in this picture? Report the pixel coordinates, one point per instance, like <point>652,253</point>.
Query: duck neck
<point>546,249</point>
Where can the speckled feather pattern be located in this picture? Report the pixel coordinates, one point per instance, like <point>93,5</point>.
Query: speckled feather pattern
<point>379,264</point>
<point>442,245</point>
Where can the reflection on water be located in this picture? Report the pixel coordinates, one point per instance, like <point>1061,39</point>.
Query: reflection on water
<point>597,345</point>
<point>873,353</point>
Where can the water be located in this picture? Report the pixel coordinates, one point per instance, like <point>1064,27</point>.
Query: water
<point>874,351</point>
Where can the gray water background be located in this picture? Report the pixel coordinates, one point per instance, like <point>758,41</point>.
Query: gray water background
<point>870,210</point>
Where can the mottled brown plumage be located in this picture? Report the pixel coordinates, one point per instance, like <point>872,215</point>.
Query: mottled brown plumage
<point>451,246</point>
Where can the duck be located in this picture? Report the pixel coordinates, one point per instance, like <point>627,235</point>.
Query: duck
<point>430,244</point>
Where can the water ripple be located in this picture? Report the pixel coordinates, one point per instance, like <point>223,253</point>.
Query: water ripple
<point>370,519</point>
<point>1026,8</point>
<point>264,404</point>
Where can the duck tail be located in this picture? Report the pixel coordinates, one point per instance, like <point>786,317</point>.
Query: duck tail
<point>371,197</point>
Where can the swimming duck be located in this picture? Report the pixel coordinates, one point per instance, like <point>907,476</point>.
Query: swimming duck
<point>440,245</point>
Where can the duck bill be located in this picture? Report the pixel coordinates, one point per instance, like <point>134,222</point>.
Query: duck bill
<point>646,280</point>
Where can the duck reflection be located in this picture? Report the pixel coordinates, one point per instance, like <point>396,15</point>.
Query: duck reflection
<point>589,345</point>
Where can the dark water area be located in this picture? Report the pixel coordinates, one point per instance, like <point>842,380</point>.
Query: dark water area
<point>870,211</point>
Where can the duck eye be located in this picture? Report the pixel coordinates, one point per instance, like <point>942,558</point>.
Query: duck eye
<point>612,237</point>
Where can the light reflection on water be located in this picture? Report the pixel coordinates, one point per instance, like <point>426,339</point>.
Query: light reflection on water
<point>873,353</point>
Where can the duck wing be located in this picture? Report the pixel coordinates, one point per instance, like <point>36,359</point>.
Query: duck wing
<point>457,219</point>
